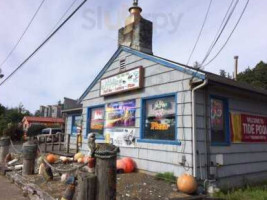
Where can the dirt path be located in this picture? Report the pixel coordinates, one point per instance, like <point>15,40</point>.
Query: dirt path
<point>9,191</point>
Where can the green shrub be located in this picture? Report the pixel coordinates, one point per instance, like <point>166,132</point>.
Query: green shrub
<point>167,176</point>
<point>35,130</point>
<point>14,131</point>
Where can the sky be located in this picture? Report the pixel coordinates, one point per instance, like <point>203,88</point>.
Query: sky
<point>70,61</point>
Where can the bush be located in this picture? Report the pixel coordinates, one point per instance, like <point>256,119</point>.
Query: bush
<point>14,132</point>
<point>35,130</point>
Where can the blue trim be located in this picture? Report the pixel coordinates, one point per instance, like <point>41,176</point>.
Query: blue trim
<point>227,141</point>
<point>143,116</point>
<point>144,56</point>
<point>88,117</point>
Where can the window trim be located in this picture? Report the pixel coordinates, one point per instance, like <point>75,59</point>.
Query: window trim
<point>72,122</point>
<point>88,118</point>
<point>143,116</point>
<point>226,111</point>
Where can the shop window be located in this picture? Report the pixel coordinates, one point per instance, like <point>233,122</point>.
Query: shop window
<point>121,114</point>
<point>76,123</point>
<point>219,121</point>
<point>96,119</point>
<point>159,118</point>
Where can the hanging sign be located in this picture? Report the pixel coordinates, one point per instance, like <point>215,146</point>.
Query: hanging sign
<point>122,82</point>
<point>248,128</point>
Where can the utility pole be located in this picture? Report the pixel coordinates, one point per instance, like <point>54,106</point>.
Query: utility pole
<point>1,75</point>
<point>236,68</point>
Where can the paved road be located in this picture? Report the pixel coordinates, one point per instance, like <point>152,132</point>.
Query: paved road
<point>9,191</point>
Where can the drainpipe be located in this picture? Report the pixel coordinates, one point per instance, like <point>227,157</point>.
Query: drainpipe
<point>194,126</point>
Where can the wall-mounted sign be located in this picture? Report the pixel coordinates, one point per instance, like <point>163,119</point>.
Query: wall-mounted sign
<point>121,137</point>
<point>122,82</point>
<point>248,128</point>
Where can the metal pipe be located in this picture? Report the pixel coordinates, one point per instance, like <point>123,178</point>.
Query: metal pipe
<point>194,126</point>
<point>236,67</point>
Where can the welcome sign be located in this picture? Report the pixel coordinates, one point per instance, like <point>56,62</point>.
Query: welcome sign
<point>122,82</point>
<point>248,128</point>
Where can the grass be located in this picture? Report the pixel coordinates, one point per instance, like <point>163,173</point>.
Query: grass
<point>246,193</point>
<point>167,176</point>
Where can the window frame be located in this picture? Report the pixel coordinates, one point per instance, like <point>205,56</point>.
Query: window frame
<point>143,118</point>
<point>227,141</point>
<point>88,120</point>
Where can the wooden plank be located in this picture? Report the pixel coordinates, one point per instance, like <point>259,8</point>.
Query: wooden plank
<point>86,186</point>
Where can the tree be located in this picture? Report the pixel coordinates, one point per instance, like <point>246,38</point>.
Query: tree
<point>222,73</point>
<point>35,130</point>
<point>256,77</point>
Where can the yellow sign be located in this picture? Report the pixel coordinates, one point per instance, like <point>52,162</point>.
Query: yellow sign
<point>159,127</point>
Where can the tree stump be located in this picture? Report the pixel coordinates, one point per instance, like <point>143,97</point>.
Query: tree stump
<point>4,148</point>
<point>29,155</point>
<point>106,156</point>
<point>86,186</point>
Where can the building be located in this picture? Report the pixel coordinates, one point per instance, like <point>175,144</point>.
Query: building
<point>72,115</point>
<point>28,121</point>
<point>53,111</point>
<point>170,117</point>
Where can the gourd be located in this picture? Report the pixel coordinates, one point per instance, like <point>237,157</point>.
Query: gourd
<point>129,165</point>
<point>120,166</point>
<point>187,184</point>
<point>51,158</point>
<point>77,156</point>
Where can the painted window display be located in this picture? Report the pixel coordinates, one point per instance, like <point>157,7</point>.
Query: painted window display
<point>121,114</point>
<point>96,120</point>
<point>160,118</point>
<point>76,124</point>
<point>218,134</point>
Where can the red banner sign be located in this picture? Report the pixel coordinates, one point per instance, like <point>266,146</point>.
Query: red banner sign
<point>248,128</point>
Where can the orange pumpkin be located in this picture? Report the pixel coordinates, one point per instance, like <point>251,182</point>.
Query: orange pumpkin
<point>187,184</point>
<point>129,165</point>
<point>121,165</point>
<point>51,158</point>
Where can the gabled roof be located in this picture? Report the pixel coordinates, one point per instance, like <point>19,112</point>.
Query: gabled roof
<point>43,119</point>
<point>162,61</point>
<point>201,74</point>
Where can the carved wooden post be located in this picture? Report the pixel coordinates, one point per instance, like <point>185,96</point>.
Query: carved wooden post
<point>45,147</point>
<point>106,156</point>
<point>29,154</point>
<point>4,148</point>
<point>68,144</point>
<point>59,141</point>
<point>86,186</point>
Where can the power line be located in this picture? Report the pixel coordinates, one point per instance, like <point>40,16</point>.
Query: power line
<point>202,27</point>
<point>220,30</point>
<point>43,43</point>
<point>230,34</point>
<point>24,32</point>
<point>64,14</point>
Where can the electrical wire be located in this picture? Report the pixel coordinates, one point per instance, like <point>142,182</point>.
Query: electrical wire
<point>64,14</point>
<point>24,32</point>
<point>242,14</point>
<point>43,43</point>
<point>200,32</point>
<point>220,30</point>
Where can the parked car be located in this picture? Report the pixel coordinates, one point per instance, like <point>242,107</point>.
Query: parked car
<point>50,132</point>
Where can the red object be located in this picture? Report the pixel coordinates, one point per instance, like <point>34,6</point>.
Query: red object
<point>129,165</point>
<point>91,162</point>
<point>51,158</point>
<point>253,128</point>
<point>121,166</point>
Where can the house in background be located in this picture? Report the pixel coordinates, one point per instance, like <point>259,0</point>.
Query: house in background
<point>28,121</point>
<point>72,114</point>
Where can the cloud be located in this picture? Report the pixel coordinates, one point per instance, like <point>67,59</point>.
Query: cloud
<point>68,63</point>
